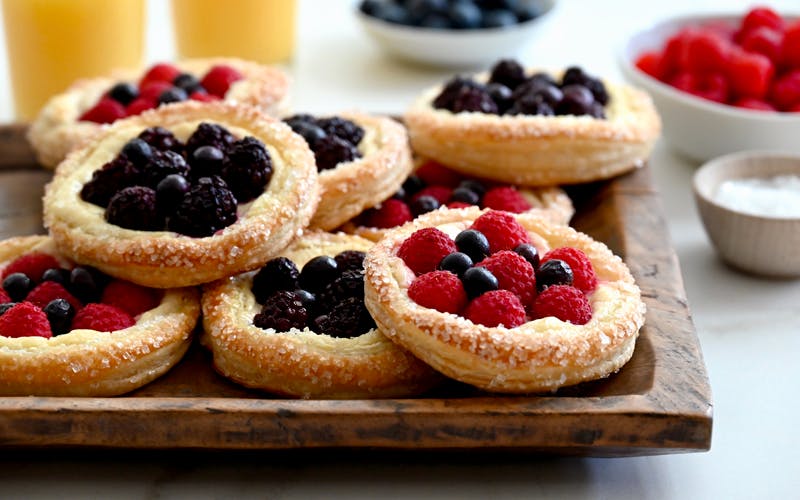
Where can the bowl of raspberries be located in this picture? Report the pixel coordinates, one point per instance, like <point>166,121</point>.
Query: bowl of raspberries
<point>452,33</point>
<point>722,83</point>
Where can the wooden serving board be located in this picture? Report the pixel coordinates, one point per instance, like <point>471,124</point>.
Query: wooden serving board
<point>660,402</point>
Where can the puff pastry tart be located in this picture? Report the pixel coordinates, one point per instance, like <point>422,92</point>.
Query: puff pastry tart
<point>362,160</point>
<point>68,330</point>
<point>508,303</point>
<point>527,128</point>
<point>433,185</point>
<point>306,333</point>
<point>183,195</point>
<point>89,105</point>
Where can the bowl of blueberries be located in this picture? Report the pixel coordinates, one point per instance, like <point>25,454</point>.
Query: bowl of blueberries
<point>452,33</point>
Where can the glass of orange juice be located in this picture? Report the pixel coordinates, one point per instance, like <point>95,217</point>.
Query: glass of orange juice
<point>258,30</point>
<point>51,43</point>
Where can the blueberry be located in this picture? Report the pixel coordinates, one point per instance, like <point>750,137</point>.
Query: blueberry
<point>59,314</point>
<point>419,9</point>
<point>400,194</point>
<point>170,192</point>
<point>456,262</point>
<point>174,94</point>
<point>473,185</point>
<point>83,285</point>
<point>413,185</point>
<point>464,14</point>
<point>308,299</point>
<point>124,93</point>
<point>17,286</point>
<point>206,160</point>
<point>529,253</point>
<point>5,307</point>
<point>311,132</point>
<point>138,152</point>
<point>553,272</point>
<point>317,273</point>
<point>501,95</point>
<point>436,21</point>
<point>465,195</point>
<point>392,13</point>
<point>277,274</point>
<point>473,243</point>
<point>530,104</point>
<point>423,205</point>
<point>187,82</point>
<point>499,18</point>
<point>507,72</point>
<point>60,276</point>
<point>479,280</point>
<point>526,13</point>
<point>369,7</point>
<point>577,100</point>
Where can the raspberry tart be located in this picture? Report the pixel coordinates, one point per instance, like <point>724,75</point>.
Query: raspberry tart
<point>362,159</point>
<point>506,302</point>
<point>69,330</point>
<point>89,105</point>
<point>534,128</point>
<point>433,185</point>
<point>183,195</point>
<point>298,327</point>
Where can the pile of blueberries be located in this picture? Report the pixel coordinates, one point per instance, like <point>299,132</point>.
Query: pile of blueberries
<point>333,140</point>
<point>452,14</point>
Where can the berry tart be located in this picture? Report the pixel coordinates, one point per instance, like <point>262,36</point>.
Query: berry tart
<point>433,185</point>
<point>534,128</point>
<point>362,159</point>
<point>69,330</point>
<point>506,302</point>
<point>183,195</point>
<point>89,105</point>
<point>299,327</point>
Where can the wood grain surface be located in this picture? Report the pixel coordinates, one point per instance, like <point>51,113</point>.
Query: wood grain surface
<point>660,402</point>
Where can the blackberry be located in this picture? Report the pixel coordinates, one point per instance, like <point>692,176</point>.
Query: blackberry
<point>247,169</point>
<point>474,99</point>
<point>174,94</point>
<point>507,72</point>
<point>208,207</point>
<point>17,286</point>
<point>162,164</point>
<point>451,90</point>
<point>342,128</point>
<point>117,174</point>
<point>423,204</point>
<point>170,192</point>
<point>553,272</point>
<point>282,311</point>
<point>332,150</point>
<point>124,93</point>
<point>59,314</point>
<point>350,260</point>
<point>277,274</point>
<point>161,139</point>
<point>209,134</point>
<point>137,151</point>
<point>318,272</point>
<point>135,208</point>
<point>347,319</point>
<point>348,284</point>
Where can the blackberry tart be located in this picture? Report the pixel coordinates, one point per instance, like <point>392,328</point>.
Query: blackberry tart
<point>90,105</point>
<point>298,327</point>
<point>183,195</point>
<point>362,159</point>
<point>69,330</point>
<point>534,128</point>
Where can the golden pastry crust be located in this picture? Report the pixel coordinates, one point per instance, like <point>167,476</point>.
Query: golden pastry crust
<point>539,355</point>
<point>538,150</point>
<point>56,130</point>
<point>354,186</point>
<point>165,259</point>
<point>91,363</point>
<point>303,363</point>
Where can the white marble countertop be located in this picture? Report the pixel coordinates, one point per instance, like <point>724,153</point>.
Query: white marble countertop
<point>749,328</point>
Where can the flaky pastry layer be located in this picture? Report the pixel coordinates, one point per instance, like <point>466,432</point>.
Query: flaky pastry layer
<point>537,356</point>
<point>91,363</point>
<point>164,259</point>
<point>303,363</point>
<point>56,130</point>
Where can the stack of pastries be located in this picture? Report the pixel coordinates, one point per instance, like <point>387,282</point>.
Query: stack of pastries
<point>346,256</point>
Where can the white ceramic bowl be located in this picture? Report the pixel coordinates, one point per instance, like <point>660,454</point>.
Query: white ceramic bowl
<point>767,245</point>
<point>475,48</point>
<point>698,128</point>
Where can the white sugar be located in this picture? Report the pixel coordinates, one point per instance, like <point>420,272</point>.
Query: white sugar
<point>777,196</point>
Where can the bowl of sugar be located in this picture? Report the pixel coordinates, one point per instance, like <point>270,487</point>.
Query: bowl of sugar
<point>749,203</point>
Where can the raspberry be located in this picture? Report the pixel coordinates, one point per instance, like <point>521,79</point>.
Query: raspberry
<point>761,16</point>
<point>501,229</point>
<point>433,173</point>
<point>506,198</point>
<point>131,298</point>
<point>765,41</point>
<point>749,74</point>
<point>247,169</point>
<point>440,290</point>
<point>203,97</point>
<point>32,265</point>
<point>711,86</point>
<point>439,193</point>
<point>219,79</point>
<point>348,318</point>
<point>25,320</point>
<point>565,302</point>
<point>4,298</point>
<point>458,204</point>
<point>341,128</point>
<point>583,275</point>
<point>153,90</point>
<point>48,291</point>
<point>161,139</point>
<point>107,110</point>
<point>208,207</point>
<point>424,249</point>
<point>785,92</point>
<point>102,317</point>
<point>675,55</point>
<point>135,208</point>
<point>790,48</point>
<point>513,273</point>
<point>139,105</point>
<point>753,103</point>
<point>707,52</point>
<point>162,72</point>
<point>209,134</point>
<point>332,150</point>
<point>390,213</point>
<point>650,63</point>
<point>498,307</point>
<point>282,311</point>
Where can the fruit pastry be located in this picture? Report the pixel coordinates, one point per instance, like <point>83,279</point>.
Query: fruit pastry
<point>506,302</point>
<point>433,186</point>
<point>298,327</point>
<point>183,195</point>
<point>70,330</point>
<point>534,128</point>
<point>89,105</point>
<point>362,160</point>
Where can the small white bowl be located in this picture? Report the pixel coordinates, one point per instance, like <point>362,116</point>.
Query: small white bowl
<point>472,48</point>
<point>699,128</point>
<point>767,245</point>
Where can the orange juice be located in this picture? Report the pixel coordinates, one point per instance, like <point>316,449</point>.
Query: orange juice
<point>51,43</point>
<point>258,30</point>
